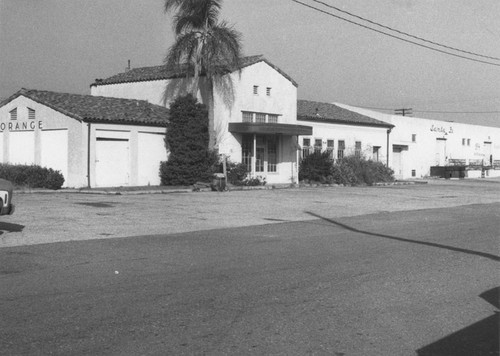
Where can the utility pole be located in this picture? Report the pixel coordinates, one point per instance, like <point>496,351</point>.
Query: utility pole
<point>403,112</point>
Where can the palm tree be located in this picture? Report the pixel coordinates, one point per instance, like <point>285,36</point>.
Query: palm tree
<point>203,46</point>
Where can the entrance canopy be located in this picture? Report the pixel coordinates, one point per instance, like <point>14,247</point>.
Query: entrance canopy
<point>269,128</point>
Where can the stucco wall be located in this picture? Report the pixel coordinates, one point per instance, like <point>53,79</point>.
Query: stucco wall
<point>368,136</point>
<point>45,119</point>
<point>423,150</point>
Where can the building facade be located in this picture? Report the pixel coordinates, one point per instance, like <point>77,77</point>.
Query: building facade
<point>418,144</point>
<point>92,141</point>
<point>255,111</point>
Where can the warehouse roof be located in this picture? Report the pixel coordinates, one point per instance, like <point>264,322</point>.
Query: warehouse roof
<point>162,72</point>
<point>101,109</point>
<point>333,114</point>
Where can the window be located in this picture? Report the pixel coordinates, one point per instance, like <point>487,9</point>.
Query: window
<point>256,89</point>
<point>272,119</point>
<point>318,145</point>
<point>259,117</point>
<point>247,116</point>
<point>13,114</point>
<point>340,151</point>
<point>357,149</point>
<point>272,155</point>
<point>376,150</point>
<point>246,152</point>
<point>468,142</point>
<point>306,146</point>
<point>268,91</point>
<point>414,138</point>
<point>463,142</point>
<point>413,172</point>
<point>329,148</point>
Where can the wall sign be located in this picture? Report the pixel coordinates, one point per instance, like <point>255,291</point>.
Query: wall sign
<point>442,129</point>
<point>20,126</point>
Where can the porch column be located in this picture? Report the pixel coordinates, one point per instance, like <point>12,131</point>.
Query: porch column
<point>254,158</point>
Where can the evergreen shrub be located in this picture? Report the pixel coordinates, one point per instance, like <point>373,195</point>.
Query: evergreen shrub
<point>32,176</point>
<point>189,161</point>
<point>350,170</point>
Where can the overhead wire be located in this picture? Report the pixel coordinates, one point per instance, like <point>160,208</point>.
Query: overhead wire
<point>402,32</point>
<point>394,36</point>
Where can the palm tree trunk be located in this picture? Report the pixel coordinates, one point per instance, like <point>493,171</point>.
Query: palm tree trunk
<point>211,116</point>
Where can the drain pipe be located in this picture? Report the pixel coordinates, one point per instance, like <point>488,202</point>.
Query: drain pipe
<point>88,155</point>
<point>388,133</point>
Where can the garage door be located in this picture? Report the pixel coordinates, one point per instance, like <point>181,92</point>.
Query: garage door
<point>151,152</point>
<point>22,147</point>
<point>54,145</point>
<point>112,162</point>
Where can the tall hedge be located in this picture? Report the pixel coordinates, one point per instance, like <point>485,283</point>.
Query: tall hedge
<point>187,140</point>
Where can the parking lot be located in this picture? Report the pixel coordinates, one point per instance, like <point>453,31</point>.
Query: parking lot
<point>61,216</point>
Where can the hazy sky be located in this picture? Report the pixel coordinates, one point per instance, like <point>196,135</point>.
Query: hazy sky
<point>63,45</point>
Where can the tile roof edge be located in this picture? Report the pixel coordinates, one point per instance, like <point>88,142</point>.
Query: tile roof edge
<point>28,94</point>
<point>343,122</point>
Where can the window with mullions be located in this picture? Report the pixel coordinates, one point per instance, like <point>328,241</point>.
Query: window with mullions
<point>306,147</point>
<point>272,155</point>
<point>318,145</point>
<point>357,149</point>
<point>341,149</point>
<point>247,152</point>
<point>329,148</point>
<point>272,119</point>
<point>247,116</point>
<point>259,117</point>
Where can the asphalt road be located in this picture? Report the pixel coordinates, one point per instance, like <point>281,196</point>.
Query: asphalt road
<point>411,282</point>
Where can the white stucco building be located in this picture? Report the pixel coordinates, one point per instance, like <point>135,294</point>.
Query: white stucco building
<point>92,141</point>
<point>255,112</point>
<point>115,136</point>
<point>418,144</point>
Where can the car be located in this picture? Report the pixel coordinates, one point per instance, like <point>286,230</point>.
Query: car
<point>6,189</point>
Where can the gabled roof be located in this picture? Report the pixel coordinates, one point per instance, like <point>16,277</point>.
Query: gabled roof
<point>98,109</point>
<point>333,114</point>
<point>162,72</point>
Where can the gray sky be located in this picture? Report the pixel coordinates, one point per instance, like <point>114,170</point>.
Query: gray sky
<point>63,45</point>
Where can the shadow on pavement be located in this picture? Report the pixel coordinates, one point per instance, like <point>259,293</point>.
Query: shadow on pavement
<point>481,338</point>
<point>433,244</point>
<point>4,226</point>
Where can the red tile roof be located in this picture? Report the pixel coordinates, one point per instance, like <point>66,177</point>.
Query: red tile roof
<point>99,109</point>
<point>162,72</point>
<point>333,114</point>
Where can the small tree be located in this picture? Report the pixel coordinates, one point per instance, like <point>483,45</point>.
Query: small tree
<point>187,140</point>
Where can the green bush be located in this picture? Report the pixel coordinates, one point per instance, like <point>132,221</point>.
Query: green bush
<point>32,176</point>
<point>315,167</point>
<point>350,170</point>
<point>187,139</point>
<point>236,173</point>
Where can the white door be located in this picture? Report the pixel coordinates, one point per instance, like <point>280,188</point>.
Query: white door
<point>151,152</point>
<point>22,147</point>
<point>54,145</point>
<point>112,162</point>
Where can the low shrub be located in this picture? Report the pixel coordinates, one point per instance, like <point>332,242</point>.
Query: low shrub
<point>236,173</point>
<point>350,170</point>
<point>32,176</point>
<point>315,167</point>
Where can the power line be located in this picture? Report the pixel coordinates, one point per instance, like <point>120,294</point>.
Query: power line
<point>433,111</point>
<point>404,33</point>
<point>394,36</point>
